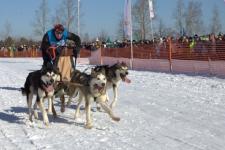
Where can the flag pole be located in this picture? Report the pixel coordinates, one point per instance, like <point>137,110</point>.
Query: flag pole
<point>131,49</point>
<point>78,17</point>
<point>152,29</point>
<point>131,38</point>
<point>128,28</point>
<point>151,15</point>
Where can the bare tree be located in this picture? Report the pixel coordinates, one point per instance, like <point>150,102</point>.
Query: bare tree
<point>103,35</point>
<point>42,19</point>
<point>120,29</point>
<point>141,19</point>
<point>86,38</point>
<point>179,16</point>
<point>68,13</point>
<point>7,30</point>
<point>161,28</point>
<point>215,26</point>
<point>9,41</point>
<point>193,18</point>
<point>57,17</point>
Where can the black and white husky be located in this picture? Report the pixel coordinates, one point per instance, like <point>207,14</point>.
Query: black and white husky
<point>41,83</point>
<point>114,74</point>
<point>91,87</point>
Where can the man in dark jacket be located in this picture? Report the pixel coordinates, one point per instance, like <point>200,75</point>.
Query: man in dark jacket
<point>55,39</point>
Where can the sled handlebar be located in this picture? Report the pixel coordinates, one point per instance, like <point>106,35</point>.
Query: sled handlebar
<point>63,50</point>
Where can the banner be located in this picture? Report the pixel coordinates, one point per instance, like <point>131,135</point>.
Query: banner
<point>151,11</point>
<point>127,19</point>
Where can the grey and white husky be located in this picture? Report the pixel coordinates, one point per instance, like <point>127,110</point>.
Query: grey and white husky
<point>91,87</point>
<point>41,83</point>
<point>114,74</point>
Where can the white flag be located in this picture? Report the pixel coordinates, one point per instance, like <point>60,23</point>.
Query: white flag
<point>127,19</point>
<point>151,11</point>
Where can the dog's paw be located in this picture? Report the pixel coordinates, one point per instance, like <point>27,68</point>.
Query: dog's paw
<point>46,123</point>
<point>35,115</point>
<point>116,118</point>
<point>88,126</point>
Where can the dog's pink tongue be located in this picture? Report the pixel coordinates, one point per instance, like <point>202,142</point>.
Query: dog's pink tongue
<point>98,87</point>
<point>49,88</point>
<point>127,80</point>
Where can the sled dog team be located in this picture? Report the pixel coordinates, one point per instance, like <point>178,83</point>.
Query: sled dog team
<point>47,84</point>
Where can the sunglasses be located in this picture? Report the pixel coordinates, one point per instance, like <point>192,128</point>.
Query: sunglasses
<point>58,32</point>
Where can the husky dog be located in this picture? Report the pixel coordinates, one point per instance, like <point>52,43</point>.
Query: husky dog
<point>66,88</point>
<point>91,87</point>
<point>41,83</point>
<point>114,74</point>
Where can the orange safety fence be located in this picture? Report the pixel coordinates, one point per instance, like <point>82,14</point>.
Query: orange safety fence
<point>37,53</point>
<point>203,50</point>
<point>139,51</point>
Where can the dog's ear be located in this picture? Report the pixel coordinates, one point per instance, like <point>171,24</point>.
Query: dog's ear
<point>93,72</point>
<point>123,63</point>
<point>43,69</point>
<point>50,66</point>
<point>56,69</point>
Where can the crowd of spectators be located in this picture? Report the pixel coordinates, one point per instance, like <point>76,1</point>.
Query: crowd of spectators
<point>190,40</point>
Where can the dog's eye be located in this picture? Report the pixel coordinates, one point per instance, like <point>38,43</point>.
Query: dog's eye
<point>98,78</point>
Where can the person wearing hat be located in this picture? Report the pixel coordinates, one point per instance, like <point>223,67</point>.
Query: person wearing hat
<point>56,38</point>
<point>52,45</point>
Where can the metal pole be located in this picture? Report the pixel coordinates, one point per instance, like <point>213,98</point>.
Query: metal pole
<point>152,29</point>
<point>78,17</point>
<point>131,47</point>
<point>131,40</point>
<point>151,15</point>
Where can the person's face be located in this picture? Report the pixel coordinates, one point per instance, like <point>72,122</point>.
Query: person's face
<point>58,34</point>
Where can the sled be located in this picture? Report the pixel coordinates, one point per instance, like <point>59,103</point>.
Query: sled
<point>66,65</point>
<point>65,62</point>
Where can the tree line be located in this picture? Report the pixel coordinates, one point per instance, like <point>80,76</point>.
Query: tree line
<point>187,18</point>
<point>188,21</point>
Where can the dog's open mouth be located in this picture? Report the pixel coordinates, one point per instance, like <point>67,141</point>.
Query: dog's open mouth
<point>124,78</point>
<point>48,88</point>
<point>99,88</point>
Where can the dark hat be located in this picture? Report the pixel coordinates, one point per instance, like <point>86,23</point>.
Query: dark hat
<point>59,27</point>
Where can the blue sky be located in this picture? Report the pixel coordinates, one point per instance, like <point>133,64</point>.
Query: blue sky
<point>97,14</point>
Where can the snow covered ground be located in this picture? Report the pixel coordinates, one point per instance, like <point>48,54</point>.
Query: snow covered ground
<point>158,111</point>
